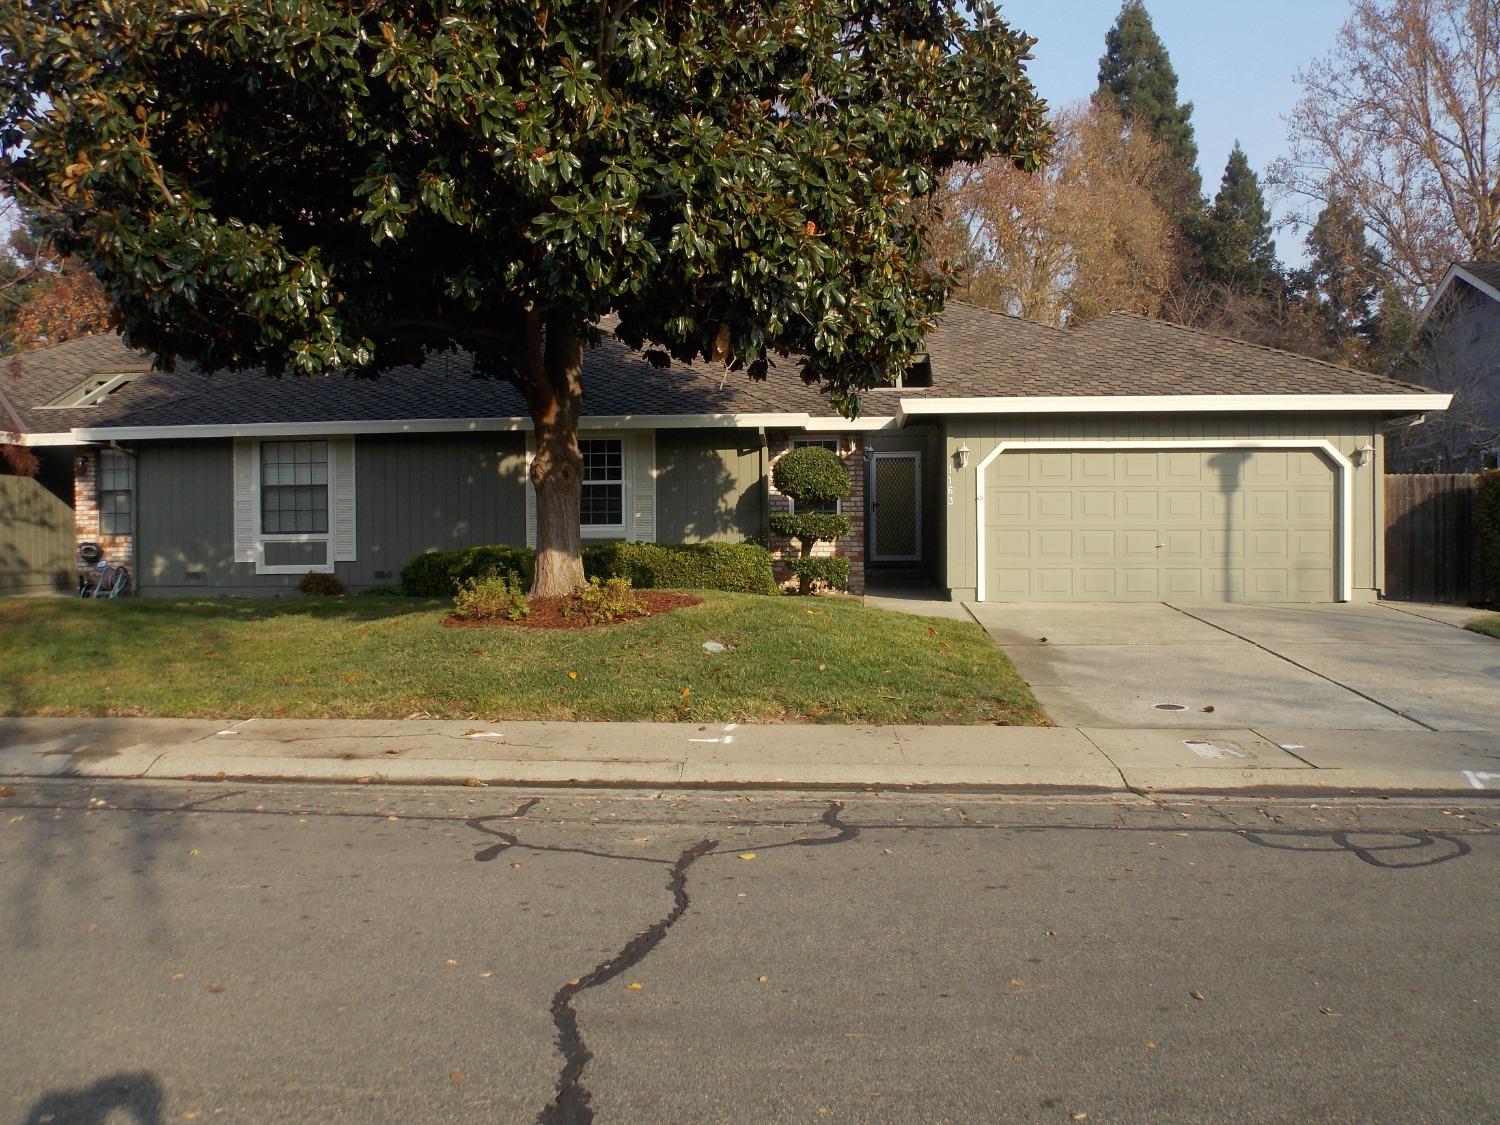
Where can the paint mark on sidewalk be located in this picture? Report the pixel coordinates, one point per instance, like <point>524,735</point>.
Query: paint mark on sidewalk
<point>1477,778</point>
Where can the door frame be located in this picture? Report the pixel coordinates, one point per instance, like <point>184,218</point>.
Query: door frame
<point>1342,466</point>
<point>915,457</point>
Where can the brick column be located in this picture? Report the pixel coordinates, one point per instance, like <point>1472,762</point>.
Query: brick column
<point>120,549</point>
<point>851,546</point>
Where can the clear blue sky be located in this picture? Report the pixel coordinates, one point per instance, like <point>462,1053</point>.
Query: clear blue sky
<point>1235,62</point>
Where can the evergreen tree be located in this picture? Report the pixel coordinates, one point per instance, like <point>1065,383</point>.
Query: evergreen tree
<point>1238,249</point>
<point>1137,75</point>
<point>1346,278</point>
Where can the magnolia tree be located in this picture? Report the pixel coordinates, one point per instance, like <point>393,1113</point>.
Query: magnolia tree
<point>311,185</point>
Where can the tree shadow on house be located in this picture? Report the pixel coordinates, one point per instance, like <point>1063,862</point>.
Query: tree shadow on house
<point>709,489</point>
<point>120,1098</point>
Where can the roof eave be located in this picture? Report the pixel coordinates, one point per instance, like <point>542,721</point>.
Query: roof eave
<point>1414,403</point>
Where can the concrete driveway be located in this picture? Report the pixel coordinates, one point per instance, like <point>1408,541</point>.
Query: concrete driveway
<point>1367,667</point>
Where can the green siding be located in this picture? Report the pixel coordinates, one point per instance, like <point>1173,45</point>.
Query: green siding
<point>37,549</point>
<point>411,493</point>
<point>708,486</point>
<point>983,432</point>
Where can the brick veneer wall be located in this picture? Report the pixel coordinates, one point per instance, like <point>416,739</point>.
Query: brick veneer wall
<point>851,546</point>
<point>120,549</point>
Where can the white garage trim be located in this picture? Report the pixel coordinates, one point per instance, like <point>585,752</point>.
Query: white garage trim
<point>1343,465</point>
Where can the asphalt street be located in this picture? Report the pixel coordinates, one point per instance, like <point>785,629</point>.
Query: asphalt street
<point>210,952</point>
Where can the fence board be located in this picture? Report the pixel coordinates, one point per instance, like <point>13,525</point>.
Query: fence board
<point>1430,543</point>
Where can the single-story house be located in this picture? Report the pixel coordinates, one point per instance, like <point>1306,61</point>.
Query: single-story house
<point>1124,459</point>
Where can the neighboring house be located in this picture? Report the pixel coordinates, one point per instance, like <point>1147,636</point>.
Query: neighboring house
<point>1126,459</point>
<point>1457,349</point>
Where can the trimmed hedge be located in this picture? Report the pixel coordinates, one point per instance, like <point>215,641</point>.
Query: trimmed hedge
<point>438,574</point>
<point>736,567</point>
<point>811,474</point>
<point>1487,528</point>
<point>740,568</point>
<point>811,526</point>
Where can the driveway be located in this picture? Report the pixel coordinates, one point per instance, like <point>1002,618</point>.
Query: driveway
<point>1369,667</point>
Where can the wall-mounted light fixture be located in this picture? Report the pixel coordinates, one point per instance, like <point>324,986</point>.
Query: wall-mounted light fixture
<point>1363,454</point>
<point>961,456</point>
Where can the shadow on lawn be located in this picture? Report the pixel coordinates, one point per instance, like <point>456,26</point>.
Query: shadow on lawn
<point>145,611</point>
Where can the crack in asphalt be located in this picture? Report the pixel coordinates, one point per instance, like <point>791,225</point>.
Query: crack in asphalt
<point>572,1103</point>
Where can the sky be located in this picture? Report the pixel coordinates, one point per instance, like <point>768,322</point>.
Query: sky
<point>1235,61</point>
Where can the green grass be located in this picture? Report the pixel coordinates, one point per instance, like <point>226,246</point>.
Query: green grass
<point>1489,626</point>
<point>792,660</point>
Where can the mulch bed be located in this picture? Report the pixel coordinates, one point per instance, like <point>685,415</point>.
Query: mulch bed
<point>547,613</point>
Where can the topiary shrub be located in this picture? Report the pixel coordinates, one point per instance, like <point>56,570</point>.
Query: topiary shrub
<point>812,475</point>
<point>316,584</point>
<point>1487,533</point>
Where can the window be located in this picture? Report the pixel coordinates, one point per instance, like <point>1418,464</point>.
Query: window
<point>603,503</point>
<point>116,483</point>
<point>294,487</point>
<point>827,507</point>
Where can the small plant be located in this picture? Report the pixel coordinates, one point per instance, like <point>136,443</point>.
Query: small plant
<point>317,584</point>
<point>599,603</point>
<point>811,476</point>
<point>492,596</point>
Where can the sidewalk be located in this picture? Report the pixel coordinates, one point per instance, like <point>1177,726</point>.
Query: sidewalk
<point>666,755</point>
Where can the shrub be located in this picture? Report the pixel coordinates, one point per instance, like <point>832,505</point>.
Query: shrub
<point>316,584</point>
<point>742,568</point>
<point>438,574</point>
<point>610,600</point>
<point>1487,527</point>
<point>830,570</point>
<point>811,474</point>
<point>495,595</point>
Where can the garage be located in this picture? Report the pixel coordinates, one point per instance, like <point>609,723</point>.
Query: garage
<point>1232,523</point>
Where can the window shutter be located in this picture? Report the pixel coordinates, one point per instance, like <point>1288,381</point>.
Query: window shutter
<point>246,518</point>
<point>530,490</point>
<point>642,467</point>
<point>342,456</point>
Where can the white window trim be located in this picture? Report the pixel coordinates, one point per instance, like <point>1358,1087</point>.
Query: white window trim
<point>611,530</point>
<point>1342,466</point>
<point>261,538</point>
<point>820,440</point>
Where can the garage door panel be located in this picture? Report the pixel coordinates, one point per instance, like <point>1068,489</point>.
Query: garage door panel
<point>1250,524</point>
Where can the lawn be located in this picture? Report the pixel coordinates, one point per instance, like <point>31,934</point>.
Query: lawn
<point>790,660</point>
<point>1489,626</point>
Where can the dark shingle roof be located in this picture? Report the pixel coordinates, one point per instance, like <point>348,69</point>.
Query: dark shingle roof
<point>975,352</point>
<point>1487,272</point>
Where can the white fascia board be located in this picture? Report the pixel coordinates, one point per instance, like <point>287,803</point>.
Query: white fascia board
<point>1458,271</point>
<point>827,423</point>
<point>1177,404</point>
<point>40,439</point>
<point>432,426</point>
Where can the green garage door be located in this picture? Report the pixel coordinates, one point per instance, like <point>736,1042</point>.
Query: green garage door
<point>1207,525</point>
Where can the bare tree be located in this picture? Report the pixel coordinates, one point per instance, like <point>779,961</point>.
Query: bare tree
<point>1402,120</point>
<point>1080,237</point>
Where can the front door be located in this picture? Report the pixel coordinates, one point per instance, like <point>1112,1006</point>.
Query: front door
<point>896,507</point>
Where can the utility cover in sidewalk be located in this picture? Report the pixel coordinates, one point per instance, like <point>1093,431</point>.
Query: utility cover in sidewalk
<point>1220,749</point>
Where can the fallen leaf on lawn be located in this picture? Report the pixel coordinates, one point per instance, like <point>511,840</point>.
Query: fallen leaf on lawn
<point>572,675</point>
<point>886,850</point>
<point>822,667</point>
<point>179,976</point>
<point>574,981</point>
<point>1196,995</point>
<point>1150,1046</point>
<point>813,612</point>
<point>762,979</point>
<point>452,964</point>
<point>351,677</point>
<point>1328,1011</point>
<point>687,691</point>
<point>931,632</point>
<point>93,927</point>
<point>1051,933</point>
<point>1017,982</point>
<point>634,986</point>
<point>192,1114</point>
<point>486,976</point>
<point>393,817</point>
<point>1080,1117</point>
<point>475,783</point>
<point>194,851</point>
<point>515,866</point>
<point>455,1076</point>
<point>747,855</point>
<point>213,986</point>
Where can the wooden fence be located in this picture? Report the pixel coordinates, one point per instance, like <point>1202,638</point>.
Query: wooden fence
<point>1430,543</point>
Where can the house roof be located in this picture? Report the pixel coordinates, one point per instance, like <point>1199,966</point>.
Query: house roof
<point>976,354</point>
<point>1483,277</point>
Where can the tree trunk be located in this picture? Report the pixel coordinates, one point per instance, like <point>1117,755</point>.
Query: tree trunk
<point>554,394</point>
